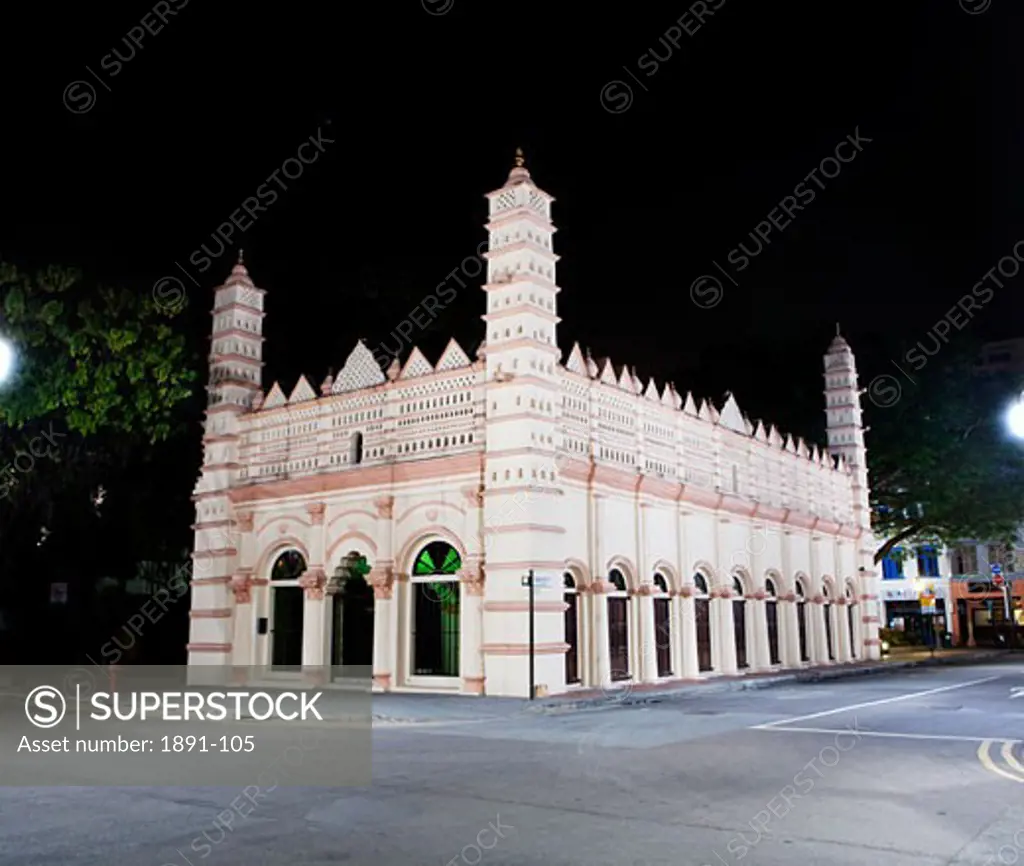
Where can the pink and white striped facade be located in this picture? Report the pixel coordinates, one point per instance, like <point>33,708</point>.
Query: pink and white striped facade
<point>522,460</point>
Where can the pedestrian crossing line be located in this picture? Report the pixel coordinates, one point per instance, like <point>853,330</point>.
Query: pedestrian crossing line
<point>1007,755</point>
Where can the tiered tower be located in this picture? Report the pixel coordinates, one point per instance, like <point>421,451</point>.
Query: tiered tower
<point>846,439</point>
<point>235,364</point>
<point>521,515</point>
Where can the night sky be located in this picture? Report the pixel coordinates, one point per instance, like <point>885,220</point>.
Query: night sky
<point>426,103</point>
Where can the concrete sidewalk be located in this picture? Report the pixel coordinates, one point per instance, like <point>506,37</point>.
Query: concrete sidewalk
<point>396,708</point>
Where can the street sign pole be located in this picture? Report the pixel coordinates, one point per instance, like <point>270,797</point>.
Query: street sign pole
<point>529,581</point>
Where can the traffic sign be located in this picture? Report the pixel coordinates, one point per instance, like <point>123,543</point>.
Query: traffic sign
<point>996,568</point>
<point>540,581</point>
<point>998,579</point>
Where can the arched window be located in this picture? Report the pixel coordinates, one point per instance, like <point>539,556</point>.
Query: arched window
<point>438,557</point>
<point>616,578</point>
<point>288,566</point>
<point>737,586</point>
<point>769,588</point>
<point>799,590</point>
<point>661,583</point>
<point>568,582</point>
<point>700,584</point>
<point>357,448</point>
<point>825,591</point>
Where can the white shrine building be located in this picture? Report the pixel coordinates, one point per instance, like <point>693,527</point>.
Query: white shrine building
<point>389,520</point>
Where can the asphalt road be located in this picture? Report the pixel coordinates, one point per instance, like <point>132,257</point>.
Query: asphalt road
<point>916,767</point>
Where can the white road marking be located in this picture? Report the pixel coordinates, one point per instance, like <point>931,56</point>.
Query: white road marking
<point>906,697</point>
<point>990,765</point>
<point>858,732</point>
<point>1017,693</point>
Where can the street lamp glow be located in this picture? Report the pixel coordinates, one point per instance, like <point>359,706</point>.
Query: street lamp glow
<point>1015,419</point>
<point>6,359</point>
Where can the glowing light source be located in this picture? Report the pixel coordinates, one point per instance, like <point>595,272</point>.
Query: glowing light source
<point>6,359</point>
<point>1015,419</point>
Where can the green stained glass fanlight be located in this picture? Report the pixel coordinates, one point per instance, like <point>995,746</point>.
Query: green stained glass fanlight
<point>438,557</point>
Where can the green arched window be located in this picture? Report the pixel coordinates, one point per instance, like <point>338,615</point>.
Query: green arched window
<point>438,557</point>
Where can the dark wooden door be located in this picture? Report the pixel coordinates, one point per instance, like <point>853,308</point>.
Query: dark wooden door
<point>663,636</point>
<point>572,658</point>
<point>739,621</point>
<point>801,621</point>
<point>357,623</point>
<point>618,638</point>
<point>853,640</point>
<point>827,608</point>
<point>702,616</point>
<point>286,638</point>
<point>771,612</point>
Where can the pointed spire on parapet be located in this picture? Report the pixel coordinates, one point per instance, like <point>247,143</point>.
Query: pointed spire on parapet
<point>453,357</point>
<point>667,395</point>
<point>760,434</point>
<point>302,391</point>
<point>361,370</point>
<point>608,373</point>
<point>416,365</point>
<point>275,398</point>
<point>801,449</point>
<point>677,401</point>
<point>592,370</point>
<point>690,407</point>
<point>704,413</point>
<point>731,417</point>
<point>626,379</point>
<point>575,363</point>
<point>651,391</point>
<point>790,445</point>
<point>325,386</point>
<point>775,438</point>
<point>394,370</point>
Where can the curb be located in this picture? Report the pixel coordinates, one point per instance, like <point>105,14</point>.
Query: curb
<point>630,698</point>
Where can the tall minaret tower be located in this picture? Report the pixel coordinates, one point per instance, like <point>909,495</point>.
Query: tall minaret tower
<point>522,518</point>
<point>846,438</point>
<point>235,365</point>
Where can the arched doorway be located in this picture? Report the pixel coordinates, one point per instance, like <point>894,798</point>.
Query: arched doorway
<point>851,619</point>
<point>801,619</point>
<point>618,626</point>
<point>771,615</point>
<point>739,621</point>
<point>570,596</point>
<point>702,621</point>
<point>435,614</point>
<point>287,608</point>
<point>351,612</point>
<point>662,626</point>
<point>826,609</point>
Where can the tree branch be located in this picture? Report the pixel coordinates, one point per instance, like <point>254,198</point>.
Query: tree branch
<point>906,532</point>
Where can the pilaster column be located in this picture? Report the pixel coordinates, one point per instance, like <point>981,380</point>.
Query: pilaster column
<point>644,599</point>
<point>843,636</point>
<point>687,620</point>
<point>789,631</point>
<point>382,579</point>
<point>757,632</point>
<point>313,581</point>
<point>471,616</point>
<point>602,656</point>
<point>724,631</point>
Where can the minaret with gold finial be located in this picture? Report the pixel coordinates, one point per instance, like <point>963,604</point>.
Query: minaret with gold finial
<point>522,405</point>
